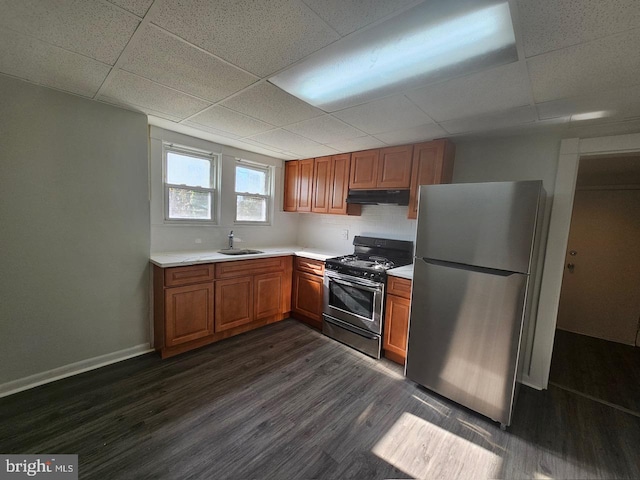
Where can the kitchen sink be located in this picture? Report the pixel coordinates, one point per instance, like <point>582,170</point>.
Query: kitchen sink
<point>239,251</point>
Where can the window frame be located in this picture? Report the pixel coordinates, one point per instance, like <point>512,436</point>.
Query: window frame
<point>214,160</point>
<point>268,196</point>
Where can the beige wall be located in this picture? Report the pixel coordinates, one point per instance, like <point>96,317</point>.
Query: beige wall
<point>601,298</point>
<point>74,212</point>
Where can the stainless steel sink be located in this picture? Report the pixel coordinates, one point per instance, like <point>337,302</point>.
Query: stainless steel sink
<point>239,251</point>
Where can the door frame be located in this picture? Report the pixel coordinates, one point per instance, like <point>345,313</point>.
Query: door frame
<point>571,150</point>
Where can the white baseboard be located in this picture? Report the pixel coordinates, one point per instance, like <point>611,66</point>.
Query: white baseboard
<point>31,381</point>
<point>525,381</point>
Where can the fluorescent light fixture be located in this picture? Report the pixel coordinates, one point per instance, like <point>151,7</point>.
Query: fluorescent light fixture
<point>433,41</point>
<point>590,115</point>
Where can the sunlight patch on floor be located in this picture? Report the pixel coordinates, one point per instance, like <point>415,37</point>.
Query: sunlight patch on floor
<point>424,450</point>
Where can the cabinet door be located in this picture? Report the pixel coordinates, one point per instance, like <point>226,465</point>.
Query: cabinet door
<point>305,185</point>
<point>307,296</point>
<point>321,184</point>
<point>291,185</point>
<point>364,169</point>
<point>267,294</point>
<point>188,313</point>
<point>396,328</point>
<point>340,169</point>
<point>234,303</point>
<point>432,164</point>
<point>394,167</point>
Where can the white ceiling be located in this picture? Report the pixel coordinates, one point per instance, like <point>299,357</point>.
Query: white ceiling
<point>202,66</point>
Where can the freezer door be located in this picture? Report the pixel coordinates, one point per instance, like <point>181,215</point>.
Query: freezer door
<point>464,335</point>
<point>484,224</point>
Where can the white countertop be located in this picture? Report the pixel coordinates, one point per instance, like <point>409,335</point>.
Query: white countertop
<point>402,272</point>
<point>177,259</point>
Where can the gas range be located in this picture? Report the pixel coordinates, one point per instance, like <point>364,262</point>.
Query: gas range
<point>354,288</point>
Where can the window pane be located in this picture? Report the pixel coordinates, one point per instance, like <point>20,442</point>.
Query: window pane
<point>251,209</point>
<point>186,170</point>
<point>184,203</point>
<point>249,180</point>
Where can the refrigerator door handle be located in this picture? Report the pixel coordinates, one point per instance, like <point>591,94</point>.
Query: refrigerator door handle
<point>471,268</point>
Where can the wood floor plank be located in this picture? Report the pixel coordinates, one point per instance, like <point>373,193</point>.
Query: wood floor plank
<point>284,401</point>
<point>606,370</point>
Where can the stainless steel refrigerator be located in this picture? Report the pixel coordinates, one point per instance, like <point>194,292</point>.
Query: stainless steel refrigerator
<point>470,300</point>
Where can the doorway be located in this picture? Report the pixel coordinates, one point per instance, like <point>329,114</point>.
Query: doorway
<point>596,351</point>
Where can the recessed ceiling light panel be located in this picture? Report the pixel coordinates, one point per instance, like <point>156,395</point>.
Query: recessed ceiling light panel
<point>433,41</point>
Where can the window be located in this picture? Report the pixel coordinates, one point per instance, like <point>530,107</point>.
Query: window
<point>253,193</point>
<point>189,185</point>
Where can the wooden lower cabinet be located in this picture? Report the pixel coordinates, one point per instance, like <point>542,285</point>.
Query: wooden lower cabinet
<point>308,290</point>
<point>217,301</point>
<point>234,303</point>
<point>396,319</point>
<point>189,313</point>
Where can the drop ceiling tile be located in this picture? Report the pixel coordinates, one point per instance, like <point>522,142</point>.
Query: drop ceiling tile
<point>355,144</point>
<point>485,92</point>
<point>624,102</point>
<point>205,128</point>
<point>284,140</point>
<point>412,135</point>
<point>318,151</point>
<point>499,120</point>
<point>165,59</point>
<point>96,29</point>
<point>347,16</point>
<point>604,64</point>
<point>603,130</point>
<point>261,37</point>
<point>226,120</point>
<point>31,59</point>
<point>386,115</point>
<point>137,7</point>
<point>133,90</point>
<point>325,129</point>
<point>268,103</point>
<point>136,108</point>
<point>551,24</point>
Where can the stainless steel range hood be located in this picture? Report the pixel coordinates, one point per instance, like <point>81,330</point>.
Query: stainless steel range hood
<point>378,197</point>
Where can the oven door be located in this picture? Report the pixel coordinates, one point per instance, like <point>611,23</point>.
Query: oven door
<point>354,300</point>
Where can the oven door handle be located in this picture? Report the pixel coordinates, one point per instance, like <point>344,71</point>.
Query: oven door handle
<point>356,284</point>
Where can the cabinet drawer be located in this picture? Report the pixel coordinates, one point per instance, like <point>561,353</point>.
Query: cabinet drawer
<point>176,276</point>
<point>399,286</point>
<point>241,268</point>
<point>315,267</point>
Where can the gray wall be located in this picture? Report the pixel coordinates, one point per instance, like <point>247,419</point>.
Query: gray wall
<point>74,211</point>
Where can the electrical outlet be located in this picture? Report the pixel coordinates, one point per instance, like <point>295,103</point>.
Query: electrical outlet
<point>345,234</point>
<point>198,240</point>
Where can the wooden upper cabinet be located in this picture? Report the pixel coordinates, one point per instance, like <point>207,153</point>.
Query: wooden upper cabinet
<point>364,169</point>
<point>394,167</point>
<point>305,185</point>
<point>432,164</point>
<point>340,170</point>
<point>321,185</point>
<point>291,185</point>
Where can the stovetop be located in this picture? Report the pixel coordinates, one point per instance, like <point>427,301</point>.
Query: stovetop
<point>372,258</point>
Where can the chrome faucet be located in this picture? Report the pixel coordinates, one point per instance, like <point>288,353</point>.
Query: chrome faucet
<point>231,239</point>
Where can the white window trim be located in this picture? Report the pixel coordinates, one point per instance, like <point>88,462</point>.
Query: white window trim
<point>268,196</point>
<point>214,159</point>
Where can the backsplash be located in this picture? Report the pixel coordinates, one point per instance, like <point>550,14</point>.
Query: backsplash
<point>326,231</point>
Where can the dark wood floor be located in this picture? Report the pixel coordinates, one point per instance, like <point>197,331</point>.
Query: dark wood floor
<point>604,370</point>
<point>285,402</point>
